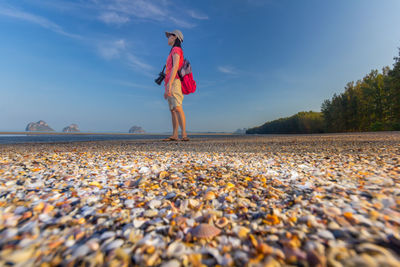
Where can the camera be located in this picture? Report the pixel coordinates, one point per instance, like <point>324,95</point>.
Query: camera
<point>160,77</point>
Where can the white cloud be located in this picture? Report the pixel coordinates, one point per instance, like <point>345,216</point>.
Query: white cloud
<point>137,64</point>
<point>119,12</point>
<point>227,69</point>
<point>110,50</point>
<point>119,50</point>
<point>138,8</point>
<point>134,85</point>
<point>41,21</point>
<point>196,15</point>
<point>161,11</point>
<point>113,18</point>
<point>113,12</point>
<point>182,23</point>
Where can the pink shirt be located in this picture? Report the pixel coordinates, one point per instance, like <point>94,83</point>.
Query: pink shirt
<point>168,68</point>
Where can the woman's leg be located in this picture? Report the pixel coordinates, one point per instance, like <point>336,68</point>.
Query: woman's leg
<point>174,116</point>
<point>182,120</point>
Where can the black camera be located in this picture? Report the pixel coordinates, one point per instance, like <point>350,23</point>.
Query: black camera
<point>161,77</point>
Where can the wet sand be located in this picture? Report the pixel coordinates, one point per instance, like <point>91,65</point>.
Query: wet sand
<point>307,200</point>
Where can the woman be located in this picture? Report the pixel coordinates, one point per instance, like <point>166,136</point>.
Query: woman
<point>173,87</point>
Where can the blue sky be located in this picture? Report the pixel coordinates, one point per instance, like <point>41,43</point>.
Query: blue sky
<point>94,62</point>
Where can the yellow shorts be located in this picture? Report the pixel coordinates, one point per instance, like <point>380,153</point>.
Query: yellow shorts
<point>175,100</point>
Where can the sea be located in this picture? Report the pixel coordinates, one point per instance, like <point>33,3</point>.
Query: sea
<point>54,138</point>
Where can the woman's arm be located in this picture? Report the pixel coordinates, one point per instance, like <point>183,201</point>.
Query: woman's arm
<point>174,70</point>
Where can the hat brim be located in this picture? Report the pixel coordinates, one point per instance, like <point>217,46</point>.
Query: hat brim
<point>167,34</point>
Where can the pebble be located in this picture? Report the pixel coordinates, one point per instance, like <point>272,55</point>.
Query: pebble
<point>115,244</point>
<point>260,200</point>
<point>171,263</point>
<point>107,235</point>
<point>154,204</point>
<point>81,251</point>
<point>325,234</point>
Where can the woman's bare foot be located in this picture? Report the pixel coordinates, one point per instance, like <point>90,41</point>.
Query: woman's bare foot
<point>171,138</point>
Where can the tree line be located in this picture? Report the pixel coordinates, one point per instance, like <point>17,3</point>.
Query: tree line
<point>302,122</point>
<point>369,104</point>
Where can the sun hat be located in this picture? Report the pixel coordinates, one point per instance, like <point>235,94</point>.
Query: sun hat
<point>177,33</point>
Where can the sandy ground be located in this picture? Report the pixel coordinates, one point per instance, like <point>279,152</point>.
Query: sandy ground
<point>306,200</point>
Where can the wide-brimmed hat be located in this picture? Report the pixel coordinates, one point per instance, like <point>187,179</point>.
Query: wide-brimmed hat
<point>177,33</point>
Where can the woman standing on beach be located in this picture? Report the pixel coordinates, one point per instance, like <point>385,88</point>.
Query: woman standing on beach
<point>173,87</point>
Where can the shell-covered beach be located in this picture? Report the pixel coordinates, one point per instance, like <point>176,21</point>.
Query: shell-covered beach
<point>300,200</point>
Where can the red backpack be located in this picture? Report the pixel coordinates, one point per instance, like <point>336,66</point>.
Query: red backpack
<point>186,76</point>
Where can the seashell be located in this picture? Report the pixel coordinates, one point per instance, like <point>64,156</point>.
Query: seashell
<point>184,205</point>
<point>129,203</point>
<point>20,210</point>
<point>241,231</point>
<point>190,222</point>
<point>170,195</point>
<point>39,207</point>
<point>210,195</point>
<point>222,222</point>
<point>271,262</point>
<point>349,216</point>
<point>373,250</point>
<point>153,239</point>
<point>154,203</point>
<point>115,244</point>
<point>122,255</point>
<point>93,244</point>
<point>335,254</point>
<point>95,183</point>
<point>272,219</point>
<point>163,174</point>
<point>150,249</point>
<point>213,252</point>
<point>81,251</point>
<point>241,257</point>
<point>107,235</point>
<point>195,259</point>
<point>315,259</point>
<point>193,203</point>
<point>176,250</point>
<point>171,263</point>
<point>137,223</point>
<point>205,231</point>
<point>173,176</point>
<point>293,255</point>
<point>150,213</point>
<point>151,261</point>
<point>20,256</point>
<point>229,199</point>
<point>308,219</point>
<point>143,170</point>
<point>69,243</point>
<point>229,185</point>
<point>45,218</point>
<point>180,221</point>
<point>333,225</point>
<point>325,234</point>
<point>9,233</point>
<point>264,249</point>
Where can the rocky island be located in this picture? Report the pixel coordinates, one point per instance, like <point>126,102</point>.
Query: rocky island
<point>136,129</point>
<point>73,128</point>
<point>40,126</point>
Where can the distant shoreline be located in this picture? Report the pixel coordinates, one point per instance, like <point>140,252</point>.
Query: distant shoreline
<point>88,133</point>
